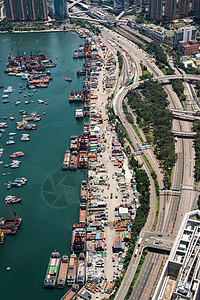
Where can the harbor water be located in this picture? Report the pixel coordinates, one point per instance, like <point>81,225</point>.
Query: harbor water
<point>51,197</point>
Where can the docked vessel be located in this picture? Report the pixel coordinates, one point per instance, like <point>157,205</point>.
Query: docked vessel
<point>52,270</point>
<point>78,240</point>
<point>63,272</point>
<point>73,161</point>
<point>12,199</point>
<point>71,276</point>
<point>80,280</point>
<point>74,143</point>
<point>66,161</point>
<point>84,191</point>
<point>83,160</point>
<point>71,292</point>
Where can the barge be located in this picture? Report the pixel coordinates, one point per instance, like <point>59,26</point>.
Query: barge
<point>52,270</point>
<point>66,161</point>
<point>71,276</point>
<point>62,272</point>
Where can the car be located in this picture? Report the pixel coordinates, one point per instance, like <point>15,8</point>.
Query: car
<point>111,195</point>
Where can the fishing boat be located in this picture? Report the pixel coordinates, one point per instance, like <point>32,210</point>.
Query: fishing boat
<point>12,199</point>
<point>52,270</point>
<point>66,161</point>
<point>80,280</point>
<point>17,154</point>
<point>68,79</point>
<point>63,272</point>
<point>71,276</point>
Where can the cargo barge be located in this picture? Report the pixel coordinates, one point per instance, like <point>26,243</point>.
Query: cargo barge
<point>66,161</point>
<point>62,272</point>
<point>74,143</point>
<point>71,292</point>
<point>78,240</point>
<point>73,161</point>
<point>71,276</point>
<point>84,191</point>
<point>81,269</point>
<point>52,270</point>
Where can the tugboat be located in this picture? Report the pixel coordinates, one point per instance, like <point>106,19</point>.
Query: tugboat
<point>52,270</point>
<point>63,272</point>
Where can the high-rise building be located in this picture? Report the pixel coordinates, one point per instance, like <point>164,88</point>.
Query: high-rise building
<point>185,34</point>
<point>22,10</point>
<point>155,9</point>
<point>183,8</point>
<point>60,9</point>
<point>195,6</point>
<point>170,9</point>
<point>121,5</point>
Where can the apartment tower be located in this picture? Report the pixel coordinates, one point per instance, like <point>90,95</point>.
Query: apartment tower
<point>22,10</point>
<point>155,9</point>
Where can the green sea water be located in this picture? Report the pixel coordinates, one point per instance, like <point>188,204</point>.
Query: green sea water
<point>50,199</point>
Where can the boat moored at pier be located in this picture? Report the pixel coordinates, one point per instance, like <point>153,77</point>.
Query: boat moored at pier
<point>52,270</point>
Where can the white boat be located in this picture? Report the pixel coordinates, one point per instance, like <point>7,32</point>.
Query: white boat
<point>40,101</point>
<point>25,137</point>
<point>17,102</point>
<point>10,142</point>
<point>5,96</point>
<point>12,133</point>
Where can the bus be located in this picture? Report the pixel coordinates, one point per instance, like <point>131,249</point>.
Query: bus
<point>136,252</point>
<point>139,242</point>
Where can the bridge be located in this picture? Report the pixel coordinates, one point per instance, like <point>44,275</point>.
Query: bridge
<point>185,117</point>
<point>184,134</point>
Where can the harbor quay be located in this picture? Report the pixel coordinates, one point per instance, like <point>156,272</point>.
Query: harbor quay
<point>108,211</point>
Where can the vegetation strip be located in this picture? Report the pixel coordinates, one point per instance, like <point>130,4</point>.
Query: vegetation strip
<point>155,119</point>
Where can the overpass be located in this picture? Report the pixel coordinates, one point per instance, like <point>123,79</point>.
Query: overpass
<point>184,134</point>
<point>185,117</point>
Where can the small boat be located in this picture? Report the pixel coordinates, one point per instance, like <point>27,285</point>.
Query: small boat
<point>46,103</point>
<point>12,118</point>
<point>40,101</point>
<point>17,103</point>
<point>10,142</point>
<point>68,79</point>
<point>12,199</point>
<point>5,96</point>
<point>12,133</point>
<point>27,102</point>
<point>17,154</point>
<point>52,270</point>
<point>5,101</point>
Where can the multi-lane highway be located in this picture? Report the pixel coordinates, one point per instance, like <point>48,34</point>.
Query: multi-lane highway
<point>172,206</point>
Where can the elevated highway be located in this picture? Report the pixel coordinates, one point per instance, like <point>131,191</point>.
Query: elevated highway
<point>184,134</point>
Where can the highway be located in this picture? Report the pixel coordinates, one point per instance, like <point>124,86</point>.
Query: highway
<point>173,206</point>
